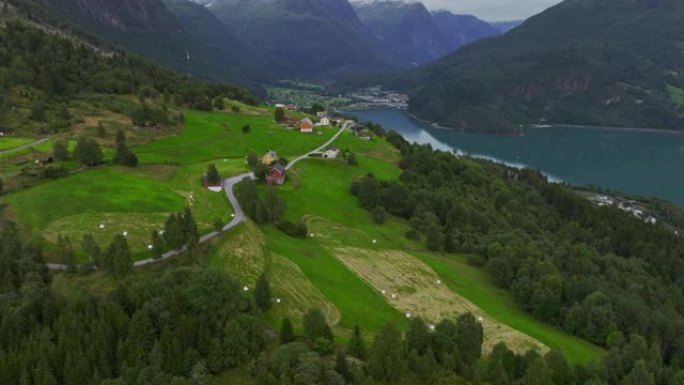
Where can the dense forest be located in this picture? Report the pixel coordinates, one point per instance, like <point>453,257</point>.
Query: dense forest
<point>597,272</point>
<point>43,69</point>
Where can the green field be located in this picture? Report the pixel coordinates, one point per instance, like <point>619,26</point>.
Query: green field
<point>210,136</point>
<point>8,143</point>
<point>336,269</point>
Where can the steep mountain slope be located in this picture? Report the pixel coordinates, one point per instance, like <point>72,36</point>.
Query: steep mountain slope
<point>169,35</point>
<point>415,36</point>
<point>581,62</point>
<point>407,30</point>
<point>305,37</point>
<point>505,26</point>
<point>462,29</point>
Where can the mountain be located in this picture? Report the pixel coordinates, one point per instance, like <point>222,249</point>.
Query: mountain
<point>415,36</point>
<point>586,62</point>
<point>462,29</point>
<point>505,26</point>
<point>306,38</point>
<point>176,33</point>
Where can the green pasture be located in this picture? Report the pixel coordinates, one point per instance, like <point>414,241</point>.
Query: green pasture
<point>217,135</point>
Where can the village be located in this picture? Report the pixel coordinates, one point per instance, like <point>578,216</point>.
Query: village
<point>278,168</point>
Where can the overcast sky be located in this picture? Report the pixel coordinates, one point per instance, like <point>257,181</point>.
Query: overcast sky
<point>493,10</point>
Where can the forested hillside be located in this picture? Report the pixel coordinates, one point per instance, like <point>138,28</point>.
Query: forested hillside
<point>586,62</point>
<point>597,272</point>
<point>49,80</point>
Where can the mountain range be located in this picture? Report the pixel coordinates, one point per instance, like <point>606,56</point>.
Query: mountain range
<point>253,42</point>
<point>583,62</point>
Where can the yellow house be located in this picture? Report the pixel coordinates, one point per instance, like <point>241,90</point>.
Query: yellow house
<point>269,158</point>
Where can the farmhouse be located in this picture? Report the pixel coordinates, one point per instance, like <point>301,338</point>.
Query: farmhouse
<point>277,175</point>
<point>325,121</point>
<point>331,153</point>
<point>305,125</point>
<point>269,158</point>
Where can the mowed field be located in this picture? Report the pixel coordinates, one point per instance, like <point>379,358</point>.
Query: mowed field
<point>348,241</point>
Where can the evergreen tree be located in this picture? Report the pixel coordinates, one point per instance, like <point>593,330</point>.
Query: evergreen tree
<point>236,345</point>
<point>157,245</point>
<point>171,350</point>
<point>369,192</point>
<point>386,359</point>
<point>188,225</point>
<point>252,159</point>
<point>417,336</point>
<point>2,187</point>
<point>91,248</point>
<point>65,251</point>
<point>286,332</point>
<point>215,356</point>
<point>445,343</point>
<point>124,156</point>
<point>173,231</point>
<point>213,177</point>
<point>562,373</point>
<point>315,325</point>
<point>537,373</point>
<point>639,375</point>
<point>262,293</point>
<point>140,338</point>
<point>342,367</point>
<point>279,115</point>
<point>470,338</point>
<point>60,150</point>
<point>357,347</point>
<point>88,152</point>
<point>246,129</point>
<point>118,257</point>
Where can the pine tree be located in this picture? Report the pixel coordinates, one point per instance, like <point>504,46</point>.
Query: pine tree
<point>386,359</point>
<point>118,256</point>
<point>157,245</point>
<point>262,293</point>
<point>173,231</point>
<point>60,150</point>
<point>357,347</point>
<point>279,115</point>
<point>213,177</point>
<point>342,367</point>
<point>470,338</point>
<point>235,344</point>
<point>286,332</point>
<point>639,375</point>
<point>417,336</point>
<point>315,325</point>
<point>537,373</point>
<point>188,225</point>
<point>124,156</point>
<point>65,251</point>
<point>92,248</point>
<point>215,356</point>
<point>171,350</point>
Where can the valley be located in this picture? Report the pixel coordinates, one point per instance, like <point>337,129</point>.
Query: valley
<point>216,192</point>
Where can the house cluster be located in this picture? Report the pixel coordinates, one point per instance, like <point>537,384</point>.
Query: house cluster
<point>359,130</point>
<point>276,174</point>
<point>287,107</point>
<point>627,205</point>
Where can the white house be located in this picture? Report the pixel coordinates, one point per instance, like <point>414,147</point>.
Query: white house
<point>325,121</point>
<point>331,153</point>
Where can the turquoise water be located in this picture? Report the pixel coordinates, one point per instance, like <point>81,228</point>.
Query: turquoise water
<point>636,162</point>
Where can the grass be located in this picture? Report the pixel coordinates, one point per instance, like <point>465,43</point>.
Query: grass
<point>474,284</point>
<point>215,135</point>
<point>676,95</point>
<point>8,143</point>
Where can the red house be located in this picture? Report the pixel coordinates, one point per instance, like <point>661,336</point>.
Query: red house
<point>276,175</point>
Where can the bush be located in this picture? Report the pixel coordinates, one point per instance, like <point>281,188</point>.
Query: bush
<point>379,215</point>
<point>476,260</point>
<point>296,230</point>
<point>413,235</point>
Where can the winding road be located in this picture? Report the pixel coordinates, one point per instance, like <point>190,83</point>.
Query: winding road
<point>239,215</point>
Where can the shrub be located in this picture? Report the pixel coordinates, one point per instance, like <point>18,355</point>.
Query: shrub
<point>379,215</point>
<point>413,235</point>
<point>296,230</point>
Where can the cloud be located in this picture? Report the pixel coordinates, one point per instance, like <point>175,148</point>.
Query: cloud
<point>493,9</point>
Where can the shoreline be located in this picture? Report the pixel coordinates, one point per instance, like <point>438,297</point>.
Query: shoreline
<point>540,126</point>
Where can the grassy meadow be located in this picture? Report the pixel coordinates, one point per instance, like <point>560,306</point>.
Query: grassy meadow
<point>349,266</point>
